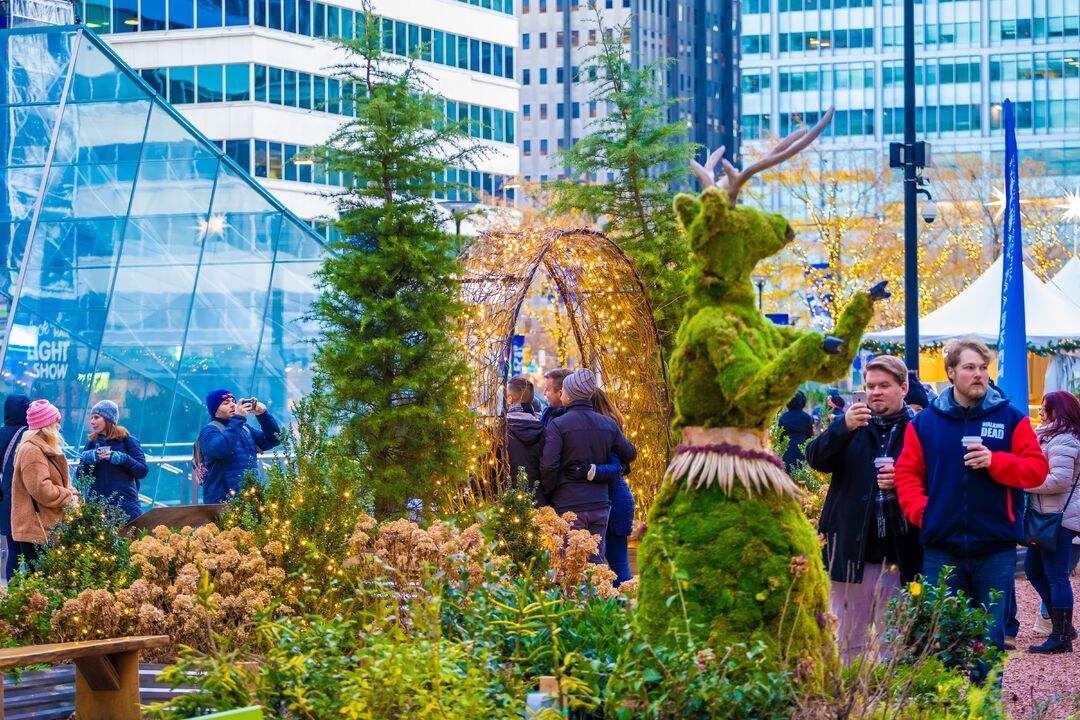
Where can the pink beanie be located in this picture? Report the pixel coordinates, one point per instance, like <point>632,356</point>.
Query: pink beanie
<point>41,413</point>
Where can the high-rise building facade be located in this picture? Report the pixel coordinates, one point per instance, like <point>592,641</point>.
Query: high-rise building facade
<point>258,76</point>
<point>800,57</point>
<point>560,37</point>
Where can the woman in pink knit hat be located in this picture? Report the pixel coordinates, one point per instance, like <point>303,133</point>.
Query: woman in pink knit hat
<point>40,486</point>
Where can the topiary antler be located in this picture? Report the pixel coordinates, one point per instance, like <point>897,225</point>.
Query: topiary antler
<point>734,179</point>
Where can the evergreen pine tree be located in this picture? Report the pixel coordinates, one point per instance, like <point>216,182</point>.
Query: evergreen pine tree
<point>645,156</point>
<point>388,359</point>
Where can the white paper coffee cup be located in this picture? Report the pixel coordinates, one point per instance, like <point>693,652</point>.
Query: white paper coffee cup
<point>969,440</point>
<point>883,462</point>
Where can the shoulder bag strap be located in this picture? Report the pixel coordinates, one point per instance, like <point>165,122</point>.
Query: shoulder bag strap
<point>11,446</point>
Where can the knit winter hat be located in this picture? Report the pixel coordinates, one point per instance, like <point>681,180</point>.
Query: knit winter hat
<point>215,398</point>
<point>580,384</point>
<point>108,410</point>
<point>41,413</point>
<point>916,395</point>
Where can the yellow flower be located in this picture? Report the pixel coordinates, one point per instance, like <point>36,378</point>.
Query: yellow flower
<point>760,597</point>
<point>915,589</point>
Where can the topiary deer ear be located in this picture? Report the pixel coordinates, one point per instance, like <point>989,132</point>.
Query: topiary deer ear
<point>687,208</point>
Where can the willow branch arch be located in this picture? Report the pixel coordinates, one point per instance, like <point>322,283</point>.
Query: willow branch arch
<point>612,323</point>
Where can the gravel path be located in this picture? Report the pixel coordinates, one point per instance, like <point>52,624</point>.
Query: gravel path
<point>1033,681</point>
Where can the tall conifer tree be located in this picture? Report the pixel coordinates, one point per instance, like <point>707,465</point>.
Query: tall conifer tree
<point>635,157</point>
<point>387,356</point>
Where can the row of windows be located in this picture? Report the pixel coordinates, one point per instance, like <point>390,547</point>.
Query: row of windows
<point>503,6</point>
<point>934,119</point>
<point>845,123</point>
<point>560,111</point>
<point>542,146</point>
<point>948,71</point>
<point>934,72</point>
<point>842,77</point>
<point>559,5</point>
<point>560,75</point>
<point>283,161</point>
<point>1048,115</point>
<point>279,86</point>
<point>946,33</point>
<point>1034,65</point>
<point>303,17</point>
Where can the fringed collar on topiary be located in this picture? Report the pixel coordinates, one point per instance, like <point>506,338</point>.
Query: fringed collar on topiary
<point>722,455</point>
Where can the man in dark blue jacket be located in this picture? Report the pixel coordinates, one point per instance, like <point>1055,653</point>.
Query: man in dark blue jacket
<point>230,446</point>
<point>960,477</point>
<point>15,407</point>
<point>581,436</point>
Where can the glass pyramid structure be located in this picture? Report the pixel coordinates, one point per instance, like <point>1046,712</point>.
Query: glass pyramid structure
<point>137,262</point>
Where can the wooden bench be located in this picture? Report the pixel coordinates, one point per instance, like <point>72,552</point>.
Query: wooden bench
<point>106,672</point>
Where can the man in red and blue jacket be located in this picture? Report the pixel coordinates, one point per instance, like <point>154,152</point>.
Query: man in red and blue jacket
<point>968,498</point>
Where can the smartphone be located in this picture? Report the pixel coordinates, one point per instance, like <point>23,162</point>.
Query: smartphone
<point>859,396</point>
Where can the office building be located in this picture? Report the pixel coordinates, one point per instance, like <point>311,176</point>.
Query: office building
<point>257,76</point>
<point>560,37</point>
<point>800,57</point>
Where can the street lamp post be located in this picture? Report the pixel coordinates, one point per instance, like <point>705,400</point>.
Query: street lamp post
<point>911,155</point>
<point>759,281</point>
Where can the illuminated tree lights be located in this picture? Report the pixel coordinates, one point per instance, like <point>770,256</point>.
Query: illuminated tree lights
<point>611,324</point>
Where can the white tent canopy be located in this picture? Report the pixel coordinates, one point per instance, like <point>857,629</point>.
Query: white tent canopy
<point>1067,280</point>
<point>1050,315</point>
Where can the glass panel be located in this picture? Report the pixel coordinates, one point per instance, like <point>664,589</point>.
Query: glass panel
<point>46,361</point>
<point>304,17</point>
<point>35,66</point>
<point>305,90</point>
<point>275,15</point>
<point>181,85</point>
<point>153,15</point>
<point>274,95</point>
<point>31,129</point>
<point>211,81</point>
<point>177,165</point>
<point>181,14</point>
<point>237,82</point>
<point>98,16</point>
<point>125,16</point>
<point>290,88</point>
<point>236,12</point>
<point>157,78</point>
<point>290,16</point>
<point>95,79</point>
<point>209,13</point>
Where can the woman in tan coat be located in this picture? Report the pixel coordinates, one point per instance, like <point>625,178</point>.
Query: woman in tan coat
<point>40,486</point>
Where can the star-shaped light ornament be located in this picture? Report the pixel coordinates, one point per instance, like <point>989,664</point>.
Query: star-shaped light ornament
<point>1071,206</point>
<point>999,202</point>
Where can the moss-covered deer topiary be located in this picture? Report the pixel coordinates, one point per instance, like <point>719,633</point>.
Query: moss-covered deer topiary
<point>727,540</point>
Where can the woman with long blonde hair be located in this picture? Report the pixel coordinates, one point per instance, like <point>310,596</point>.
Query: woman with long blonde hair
<point>41,486</point>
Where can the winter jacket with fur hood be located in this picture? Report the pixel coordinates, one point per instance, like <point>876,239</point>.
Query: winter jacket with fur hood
<point>1063,452</point>
<point>41,476</point>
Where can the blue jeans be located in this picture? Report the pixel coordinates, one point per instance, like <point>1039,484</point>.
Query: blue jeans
<point>1049,571</point>
<point>977,576</point>
<point>17,551</point>
<point>618,557</point>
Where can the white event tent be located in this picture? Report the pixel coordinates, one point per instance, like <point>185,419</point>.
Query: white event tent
<point>1051,316</point>
<point>1067,280</point>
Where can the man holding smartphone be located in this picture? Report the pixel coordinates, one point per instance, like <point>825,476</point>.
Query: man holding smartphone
<point>869,546</point>
<point>229,445</point>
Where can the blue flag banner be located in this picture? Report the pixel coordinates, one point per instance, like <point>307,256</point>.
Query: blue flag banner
<point>1012,333</point>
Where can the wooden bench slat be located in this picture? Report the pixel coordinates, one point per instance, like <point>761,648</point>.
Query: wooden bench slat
<point>11,658</point>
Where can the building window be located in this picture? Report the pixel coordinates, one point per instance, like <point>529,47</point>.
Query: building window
<point>543,40</point>
<point>543,146</point>
<point>575,110</point>
<point>210,83</point>
<point>574,38</point>
<point>558,39</point>
<point>543,111</point>
<point>526,77</point>
<point>543,76</point>
<point>559,78</point>
<point>559,114</point>
<point>526,148</point>
<point>526,112</point>
<point>181,85</point>
<point>524,41</point>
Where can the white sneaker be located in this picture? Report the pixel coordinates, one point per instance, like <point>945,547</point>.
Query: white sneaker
<point>1043,626</point>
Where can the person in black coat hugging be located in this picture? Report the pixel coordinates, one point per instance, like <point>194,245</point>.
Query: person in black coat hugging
<point>113,459</point>
<point>798,427</point>
<point>870,548</point>
<point>524,434</point>
<point>581,436</point>
<point>15,407</point>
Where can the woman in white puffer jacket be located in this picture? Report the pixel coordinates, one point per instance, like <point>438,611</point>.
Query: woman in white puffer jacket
<point>1059,436</point>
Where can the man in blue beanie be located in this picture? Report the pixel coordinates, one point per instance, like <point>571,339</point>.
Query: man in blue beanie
<point>228,447</point>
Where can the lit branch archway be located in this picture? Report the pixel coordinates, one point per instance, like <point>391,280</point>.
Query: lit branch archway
<point>612,325</point>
